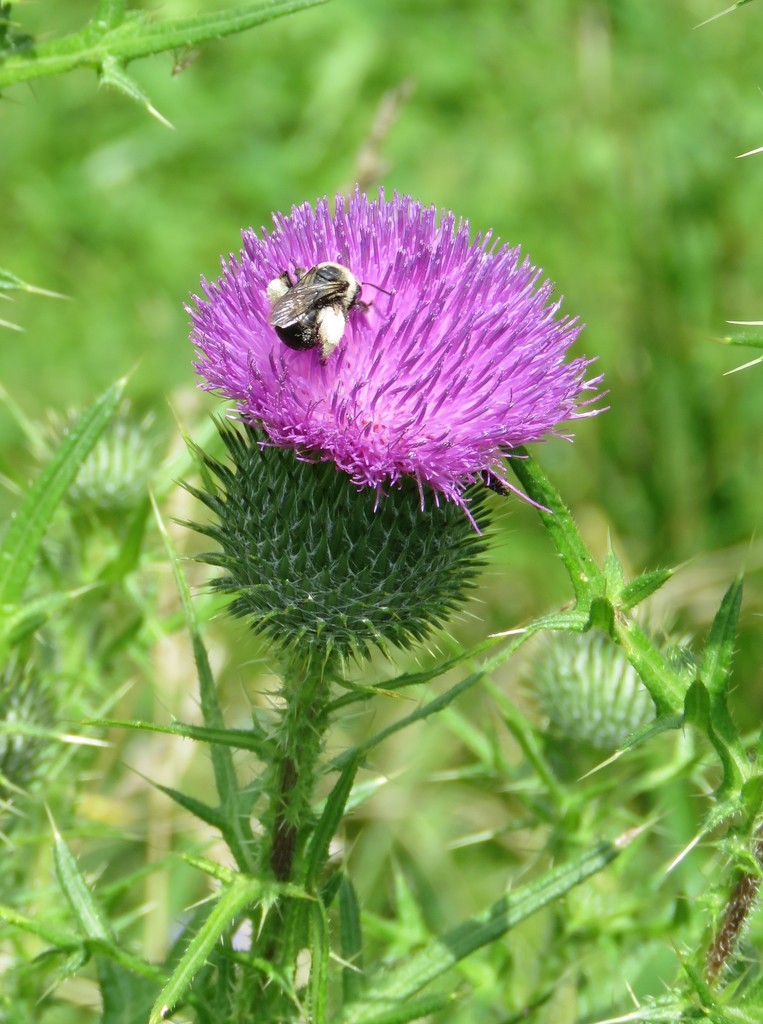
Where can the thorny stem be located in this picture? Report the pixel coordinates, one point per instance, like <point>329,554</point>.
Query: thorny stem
<point>585,575</point>
<point>741,902</point>
<point>284,832</point>
<point>289,785</point>
<point>118,37</point>
<point>303,723</point>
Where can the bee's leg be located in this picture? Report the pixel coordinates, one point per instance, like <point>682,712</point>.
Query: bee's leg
<point>331,323</point>
<point>300,273</point>
<point>279,287</point>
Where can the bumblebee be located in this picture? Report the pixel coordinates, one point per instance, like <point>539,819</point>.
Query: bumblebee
<point>313,312</point>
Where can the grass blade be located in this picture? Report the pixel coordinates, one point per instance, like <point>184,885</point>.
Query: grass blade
<point>125,39</point>
<point>21,543</point>
<point>238,833</point>
<point>232,901</point>
<point>350,940</point>
<point>330,820</point>
<point>238,739</point>
<point>319,942</point>
<point>384,995</point>
<point>61,940</point>
<point>77,891</point>
<point>718,655</point>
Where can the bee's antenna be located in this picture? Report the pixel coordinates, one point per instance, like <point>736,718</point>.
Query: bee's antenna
<point>378,287</point>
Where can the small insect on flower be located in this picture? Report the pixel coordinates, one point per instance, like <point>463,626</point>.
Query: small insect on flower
<point>494,484</point>
<point>314,312</point>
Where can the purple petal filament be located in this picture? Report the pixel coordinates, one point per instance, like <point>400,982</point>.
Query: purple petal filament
<point>463,362</point>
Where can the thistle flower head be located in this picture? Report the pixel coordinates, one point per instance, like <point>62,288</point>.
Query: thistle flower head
<point>462,362</point>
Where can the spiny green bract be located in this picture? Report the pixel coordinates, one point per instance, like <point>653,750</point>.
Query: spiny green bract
<point>313,561</point>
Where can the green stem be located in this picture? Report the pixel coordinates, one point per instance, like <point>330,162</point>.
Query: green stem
<point>109,12</point>
<point>586,577</point>
<point>124,36</point>
<point>288,821</point>
<point>741,904</point>
<point>590,588</point>
<point>667,689</point>
<point>291,777</point>
<point>285,833</point>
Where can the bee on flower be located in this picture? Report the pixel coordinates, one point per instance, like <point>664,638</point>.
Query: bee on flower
<point>461,362</point>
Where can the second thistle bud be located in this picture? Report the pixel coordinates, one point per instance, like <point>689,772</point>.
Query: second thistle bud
<point>589,691</point>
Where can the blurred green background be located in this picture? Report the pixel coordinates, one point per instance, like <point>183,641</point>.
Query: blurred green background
<point>602,136</point>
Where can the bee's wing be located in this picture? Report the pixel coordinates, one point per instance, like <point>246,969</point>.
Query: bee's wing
<point>304,297</point>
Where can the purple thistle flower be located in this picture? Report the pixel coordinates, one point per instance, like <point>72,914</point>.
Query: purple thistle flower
<point>459,365</point>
